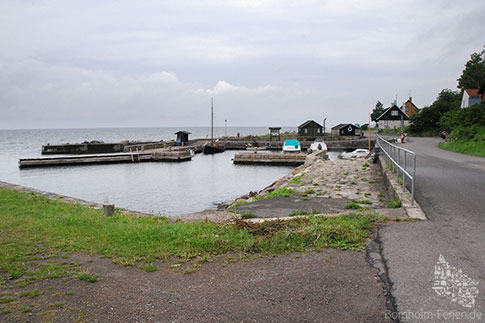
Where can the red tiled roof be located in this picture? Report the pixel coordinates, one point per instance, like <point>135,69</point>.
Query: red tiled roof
<point>472,92</point>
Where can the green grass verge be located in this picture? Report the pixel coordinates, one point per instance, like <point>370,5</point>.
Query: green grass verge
<point>282,191</point>
<point>469,147</point>
<point>37,233</point>
<point>296,179</point>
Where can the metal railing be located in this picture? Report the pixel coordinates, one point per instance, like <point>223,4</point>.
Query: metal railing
<point>402,162</point>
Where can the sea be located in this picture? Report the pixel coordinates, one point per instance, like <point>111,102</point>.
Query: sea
<point>159,188</point>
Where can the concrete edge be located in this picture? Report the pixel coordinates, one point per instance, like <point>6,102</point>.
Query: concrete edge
<point>64,198</point>
<point>414,212</point>
<point>288,218</point>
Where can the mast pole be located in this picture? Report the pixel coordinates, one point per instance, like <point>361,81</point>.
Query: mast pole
<point>212,121</point>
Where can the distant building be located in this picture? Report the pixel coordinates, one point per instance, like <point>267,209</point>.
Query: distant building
<point>472,97</point>
<point>409,107</point>
<point>392,118</point>
<point>346,129</point>
<point>274,132</point>
<point>310,129</point>
<point>182,137</point>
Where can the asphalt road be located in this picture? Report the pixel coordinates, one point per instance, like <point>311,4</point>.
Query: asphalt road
<point>450,187</point>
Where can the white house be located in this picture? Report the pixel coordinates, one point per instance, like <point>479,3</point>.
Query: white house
<point>471,97</point>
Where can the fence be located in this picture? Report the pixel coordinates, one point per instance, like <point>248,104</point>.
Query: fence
<point>402,162</point>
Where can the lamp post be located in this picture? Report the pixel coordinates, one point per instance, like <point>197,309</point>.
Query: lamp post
<point>324,126</point>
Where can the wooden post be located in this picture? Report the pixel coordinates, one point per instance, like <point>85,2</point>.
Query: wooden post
<point>109,209</point>
<point>369,130</point>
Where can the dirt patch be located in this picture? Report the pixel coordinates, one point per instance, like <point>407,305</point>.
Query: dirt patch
<point>332,286</point>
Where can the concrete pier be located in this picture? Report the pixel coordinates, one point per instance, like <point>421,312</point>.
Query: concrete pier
<point>134,157</point>
<point>270,159</point>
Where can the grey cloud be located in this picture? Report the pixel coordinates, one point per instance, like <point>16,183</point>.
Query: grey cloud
<point>152,63</point>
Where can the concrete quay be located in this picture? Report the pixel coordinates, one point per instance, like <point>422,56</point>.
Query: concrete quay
<point>270,159</point>
<point>131,157</point>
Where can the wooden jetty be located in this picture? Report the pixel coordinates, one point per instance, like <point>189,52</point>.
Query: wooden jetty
<point>131,157</point>
<point>279,159</point>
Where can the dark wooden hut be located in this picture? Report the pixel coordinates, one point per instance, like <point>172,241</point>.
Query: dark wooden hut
<point>346,129</point>
<point>182,137</point>
<point>310,129</point>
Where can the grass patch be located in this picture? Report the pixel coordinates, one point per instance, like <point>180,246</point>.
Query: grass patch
<point>86,277</point>
<point>365,165</point>
<point>25,309</point>
<point>239,203</point>
<point>353,206</point>
<point>148,267</point>
<point>190,271</point>
<point>31,293</point>
<point>6,299</point>
<point>353,183</point>
<point>36,231</point>
<point>248,215</point>
<point>308,192</point>
<point>69,293</point>
<point>282,191</point>
<point>296,179</point>
<point>297,212</point>
<point>364,202</point>
<point>6,311</point>
<point>394,204</point>
<point>469,147</point>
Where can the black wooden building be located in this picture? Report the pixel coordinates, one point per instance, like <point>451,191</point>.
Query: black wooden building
<point>346,129</point>
<point>310,129</point>
<point>392,117</point>
<point>182,137</point>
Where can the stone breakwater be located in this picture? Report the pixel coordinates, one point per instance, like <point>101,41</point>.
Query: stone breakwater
<point>320,186</point>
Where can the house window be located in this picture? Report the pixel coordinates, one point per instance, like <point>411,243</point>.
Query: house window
<point>407,109</point>
<point>306,130</point>
<point>394,113</point>
<point>318,130</point>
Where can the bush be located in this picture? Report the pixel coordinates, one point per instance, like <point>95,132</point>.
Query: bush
<point>466,118</point>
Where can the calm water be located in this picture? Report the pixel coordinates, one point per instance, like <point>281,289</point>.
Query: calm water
<point>159,188</point>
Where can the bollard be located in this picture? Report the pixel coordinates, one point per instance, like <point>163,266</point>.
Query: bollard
<point>109,209</point>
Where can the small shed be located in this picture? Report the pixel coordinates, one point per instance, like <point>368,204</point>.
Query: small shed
<point>182,137</point>
<point>310,129</point>
<point>274,132</point>
<point>346,129</point>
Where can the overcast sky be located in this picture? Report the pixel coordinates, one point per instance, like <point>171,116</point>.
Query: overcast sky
<point>158,63</point>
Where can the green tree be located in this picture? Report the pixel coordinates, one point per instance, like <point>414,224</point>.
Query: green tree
<point>427,120</point>
<point>473,76</point>
<point>378,110</point>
